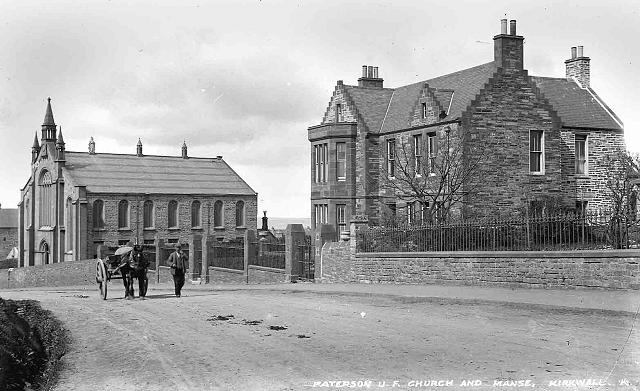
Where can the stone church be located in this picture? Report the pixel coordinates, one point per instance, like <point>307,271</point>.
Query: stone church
<point>75,201</point>
<point>542,138</point>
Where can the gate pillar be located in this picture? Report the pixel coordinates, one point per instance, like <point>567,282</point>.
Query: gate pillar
<point>294,236</point>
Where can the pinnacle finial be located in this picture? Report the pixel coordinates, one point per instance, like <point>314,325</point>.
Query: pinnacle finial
<point>48,117</point>
<point>36,144</point>
<point>60,139</point>
<point>139,142</point>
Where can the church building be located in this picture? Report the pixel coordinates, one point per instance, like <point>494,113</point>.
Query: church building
<point>75,201</point>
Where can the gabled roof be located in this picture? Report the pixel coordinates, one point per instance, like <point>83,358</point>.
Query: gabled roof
<point>387,110</point>
<point>577,107</point>
<point>9,218</point>
<point>116,173</point>
<point>371,103</point>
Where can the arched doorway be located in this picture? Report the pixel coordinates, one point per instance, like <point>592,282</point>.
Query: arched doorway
<point>44,252</point>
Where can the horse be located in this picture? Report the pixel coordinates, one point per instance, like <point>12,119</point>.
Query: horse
<point>134,265</point>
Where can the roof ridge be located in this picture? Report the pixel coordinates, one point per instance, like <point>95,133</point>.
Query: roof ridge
<point>136,156</point>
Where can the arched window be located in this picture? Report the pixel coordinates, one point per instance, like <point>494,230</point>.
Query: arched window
<point>46,201</point>
<point>148,214</point>
<point>123,214</point>
<point>98,214</point>
<point>195,214</point>
<point>218,218</point>
<point>173,214</point>
<point>240,214</point>
<point>68,209</point>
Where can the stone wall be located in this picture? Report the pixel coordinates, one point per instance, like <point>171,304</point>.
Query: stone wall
<point>8,240</point>
<point>610,269</point>
<point>70,273</point>
<point>254,275</point>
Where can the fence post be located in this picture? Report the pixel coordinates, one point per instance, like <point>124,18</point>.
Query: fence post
<point>249,251</point>
<point>204,273</point>
<point>159,245</point>
<point>294,236</point>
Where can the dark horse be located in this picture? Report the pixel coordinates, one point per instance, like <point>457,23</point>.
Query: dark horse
<point>134,265</point>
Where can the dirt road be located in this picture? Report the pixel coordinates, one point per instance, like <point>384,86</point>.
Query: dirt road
<point>274,340</point>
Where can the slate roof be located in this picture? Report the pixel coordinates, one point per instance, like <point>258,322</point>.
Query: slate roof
<point>386,110</point>
<point>9,218</point>
<point>118,173</point>
<point>577,107</point>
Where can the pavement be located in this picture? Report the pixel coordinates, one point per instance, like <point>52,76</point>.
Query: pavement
<point>579,299</point>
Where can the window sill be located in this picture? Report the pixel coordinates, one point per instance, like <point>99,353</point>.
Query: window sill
<point>582,176</point>
<point>124,229</point>
<point>536,173</point>
<point>99,229</point>
<point>196,228</point>
<point>149,229</point>
<point>241,227</point>
<point>218,228</point>
<point>342,179</point>
<point>46,229</point>
<point>174,228</point>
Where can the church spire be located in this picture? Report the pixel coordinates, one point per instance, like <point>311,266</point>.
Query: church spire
<point>48,125</point>
<point>60,146</point>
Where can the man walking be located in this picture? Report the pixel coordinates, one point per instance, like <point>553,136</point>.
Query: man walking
<point>179,265</point>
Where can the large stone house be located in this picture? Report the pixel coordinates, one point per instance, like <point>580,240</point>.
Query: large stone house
<point>75,201</point>
<point>542,139</point>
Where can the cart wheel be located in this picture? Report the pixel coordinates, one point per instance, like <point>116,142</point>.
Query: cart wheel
<point>101,278</point>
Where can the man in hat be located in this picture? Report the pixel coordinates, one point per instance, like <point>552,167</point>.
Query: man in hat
<point>179,265</point>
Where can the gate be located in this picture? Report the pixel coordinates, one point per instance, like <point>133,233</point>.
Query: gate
<point>305,257</point>
<point>269,255</point>
<point>228,255</point>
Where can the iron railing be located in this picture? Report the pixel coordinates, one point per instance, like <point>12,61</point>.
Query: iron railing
<point>270,255</point>
<point>595,230</point>
<point>229,255</point>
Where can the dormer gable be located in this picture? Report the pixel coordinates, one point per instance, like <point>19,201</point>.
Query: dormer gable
<point>427,108</point>
<point>340,108</point>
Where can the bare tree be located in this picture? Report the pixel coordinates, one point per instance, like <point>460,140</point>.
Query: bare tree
<point>621,170</point>
<point>436,174</point>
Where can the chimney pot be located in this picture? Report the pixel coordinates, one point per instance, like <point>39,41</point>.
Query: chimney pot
<point>512,27</point>
<point>580,51</point>
<point>503,26</point>
<point>573,52</point>
<point>375,72</point>
<point>370,71</point>
<point>364,71</point>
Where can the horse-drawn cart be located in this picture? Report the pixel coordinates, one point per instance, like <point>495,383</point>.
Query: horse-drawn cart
<point>125,264</point>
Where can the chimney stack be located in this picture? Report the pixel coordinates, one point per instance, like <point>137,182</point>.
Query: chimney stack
<point>370,78</point>
<point>265,222</point>
<point>184,150</point>
<point>508,48</point>
<point>139,148</point>
<point>92,146</point>
<point>578,67</point>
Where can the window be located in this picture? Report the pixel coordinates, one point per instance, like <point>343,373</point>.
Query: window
<point>417,154</point>
<point>321,165</point>
<point>46,200</point>
<point>321,212</point>
<point>411,212</point>
<point>341,218</point>
<point>148,214</point>
<point>536,157</point>
<point>240,214</point>
<point>391,158</point>
<point>195,213</point>
<point>217,214</point>
<point>339,112</point>
<point>432,146</point>
<point>172,214</point>
<point>424,110</point>
<point>581,207</point>
<point>98,214</point>
<point>581,154</point>
<point>123,214</point>
<point>341,161</point>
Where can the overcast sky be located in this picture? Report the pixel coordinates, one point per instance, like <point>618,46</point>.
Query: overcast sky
<point>245,79</point>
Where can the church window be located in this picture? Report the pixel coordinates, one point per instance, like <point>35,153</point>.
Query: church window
<point>123,214</point>
<point>46,200</point>
<point>240,214</point>
<point>218,214</point>
<point>148,217</point>
<point>173,214</point>
<point>195,213</point>
<point>98,214</point>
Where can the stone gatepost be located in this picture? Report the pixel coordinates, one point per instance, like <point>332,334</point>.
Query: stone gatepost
<point>192,258</point>
<point>358,222</point>
<point>249,251</point>
<point>204,273</point>
<point>294,236</point>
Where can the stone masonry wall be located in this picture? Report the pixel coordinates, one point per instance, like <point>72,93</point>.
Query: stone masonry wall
<point>586,269</point>
<point>8,240</point>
